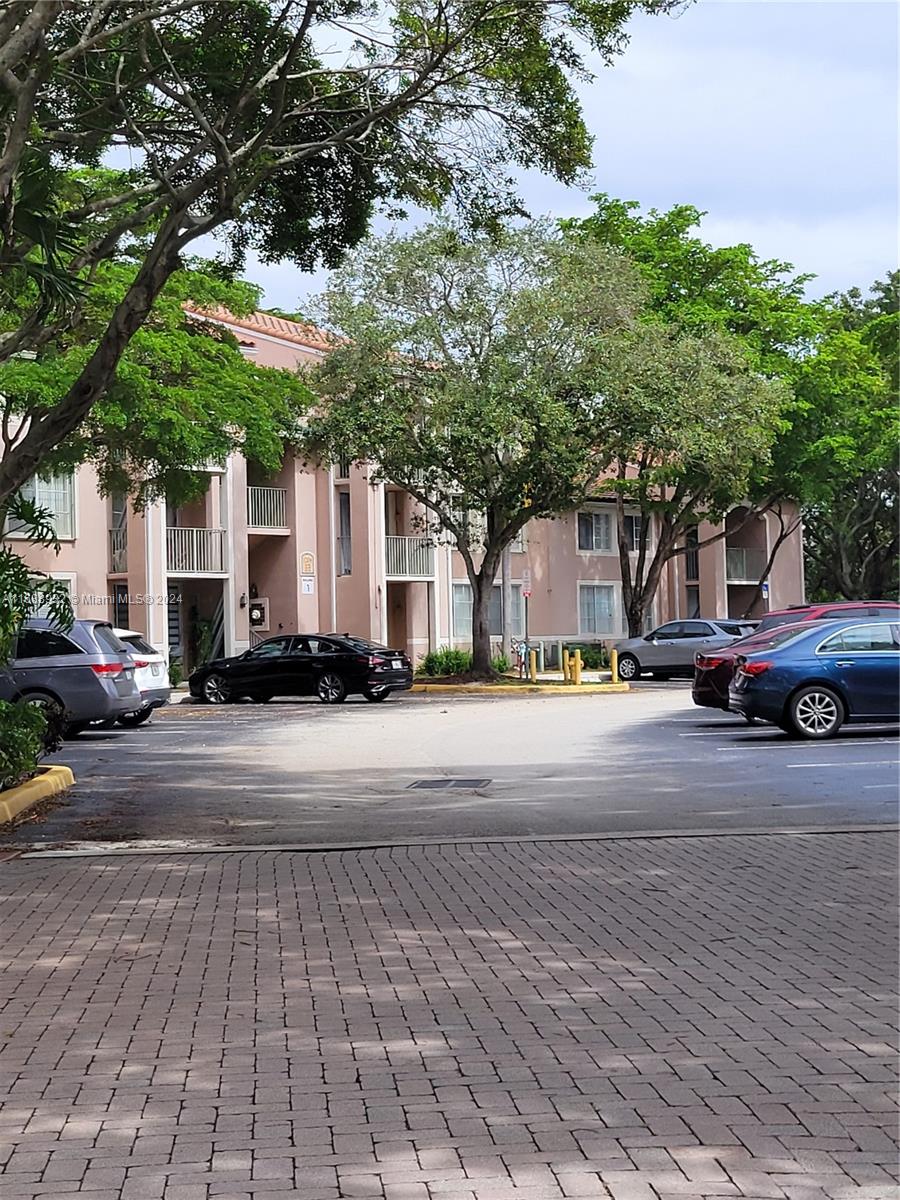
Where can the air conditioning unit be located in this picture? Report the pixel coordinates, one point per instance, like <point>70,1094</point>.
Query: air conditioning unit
<point>259,615</point>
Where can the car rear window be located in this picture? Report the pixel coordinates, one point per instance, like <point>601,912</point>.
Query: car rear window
<point>138,643</point>
<point>107,640</point>
<point>734,628</point>
<point>44,643</point>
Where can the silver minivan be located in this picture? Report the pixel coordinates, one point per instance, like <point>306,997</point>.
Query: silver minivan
<point>84,673</point>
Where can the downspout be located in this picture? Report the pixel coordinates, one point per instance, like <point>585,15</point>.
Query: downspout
<point>332,551</point>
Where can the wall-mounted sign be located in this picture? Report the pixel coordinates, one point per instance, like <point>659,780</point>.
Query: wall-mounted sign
<point>526,582</point>
<point>307,563</point>
<point>307,585</point>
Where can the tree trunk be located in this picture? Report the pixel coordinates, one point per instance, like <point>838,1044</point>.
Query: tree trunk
<point>482,584</point>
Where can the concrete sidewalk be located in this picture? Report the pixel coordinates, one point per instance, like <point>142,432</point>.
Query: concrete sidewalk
<point>685,1017</point>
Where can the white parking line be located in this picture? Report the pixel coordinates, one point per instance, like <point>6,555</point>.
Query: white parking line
<point>865,762</point>
<point>869,787</point>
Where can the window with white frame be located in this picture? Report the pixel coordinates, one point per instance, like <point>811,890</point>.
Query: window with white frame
<point>517,545</point>
<point>633,525</point>
<point>595,531</point>
<point>597,609</point>
<point>55,494</point>
<point>462,611</point>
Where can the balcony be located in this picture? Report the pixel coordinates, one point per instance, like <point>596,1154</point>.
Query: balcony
<point>195,551</point>
<point>266,508</point>
<point>408,557</point>
<point>743,565</point>
<point>118,551</point>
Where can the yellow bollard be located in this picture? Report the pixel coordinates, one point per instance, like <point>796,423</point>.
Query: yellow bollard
<point>576,672</point>
<point>567,670</point>
<point>614,665</point>
<point>532,665</point>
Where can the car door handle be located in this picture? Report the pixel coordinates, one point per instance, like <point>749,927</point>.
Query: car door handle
<point>846,662</point>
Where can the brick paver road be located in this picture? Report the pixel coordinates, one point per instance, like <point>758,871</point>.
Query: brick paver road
<point>674,1018</point>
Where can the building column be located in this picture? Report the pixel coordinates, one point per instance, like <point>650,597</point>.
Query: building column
<point>156,578</point>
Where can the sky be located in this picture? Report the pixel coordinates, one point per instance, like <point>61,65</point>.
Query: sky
<point>777,119</point>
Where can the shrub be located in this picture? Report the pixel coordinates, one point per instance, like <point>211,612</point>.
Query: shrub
<point>23,729</point>
<point>176,674</point>
<point>594,657</point>
<point>445,661</point>
<point>500,664</point>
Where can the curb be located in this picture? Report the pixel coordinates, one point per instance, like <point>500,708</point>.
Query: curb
<point>154,849</point>
<point>49,782</point>
<point>516,689</point>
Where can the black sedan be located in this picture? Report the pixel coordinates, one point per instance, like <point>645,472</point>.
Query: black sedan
<point>331,666</point>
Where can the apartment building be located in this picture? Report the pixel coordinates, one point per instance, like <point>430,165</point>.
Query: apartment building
<point>314,549</point>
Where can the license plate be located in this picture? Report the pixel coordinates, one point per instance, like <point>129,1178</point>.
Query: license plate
<point>397,664</point>
<point>154,667</point>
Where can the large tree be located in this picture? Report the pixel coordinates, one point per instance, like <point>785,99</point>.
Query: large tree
<point>686,421</point>
<point>466,376</point>
<point>699,291</point>
<point>847,438</point>
<point>279,123</point>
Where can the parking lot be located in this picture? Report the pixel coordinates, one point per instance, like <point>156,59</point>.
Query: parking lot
<point>427,767</point>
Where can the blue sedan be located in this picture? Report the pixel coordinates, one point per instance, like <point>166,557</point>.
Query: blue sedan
<point>818,675</point>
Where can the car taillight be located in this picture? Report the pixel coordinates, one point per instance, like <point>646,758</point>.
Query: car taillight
<point>371,660</point>
<point>755,668</point>
<point>142,662</point>
<point>707,663</point>
<point>107,668</point>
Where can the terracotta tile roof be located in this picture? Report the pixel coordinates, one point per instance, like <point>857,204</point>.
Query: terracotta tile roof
<point>278,327</point>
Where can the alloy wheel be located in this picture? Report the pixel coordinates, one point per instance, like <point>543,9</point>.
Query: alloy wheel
<point>817,713</point>
<point>215,689</point>
<point>331,688</point>
<point>628,667</point>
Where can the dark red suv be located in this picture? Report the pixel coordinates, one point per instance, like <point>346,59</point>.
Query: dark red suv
<point>713,671</point>
<point>836,610</point>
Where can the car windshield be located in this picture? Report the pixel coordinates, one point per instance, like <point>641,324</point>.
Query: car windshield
<point>773,620</point>
<point>779,636</point>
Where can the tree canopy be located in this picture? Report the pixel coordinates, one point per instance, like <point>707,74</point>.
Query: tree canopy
<point>279,123</point>
<point>467,377</point>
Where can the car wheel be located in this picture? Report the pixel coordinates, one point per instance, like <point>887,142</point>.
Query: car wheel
<point>331,689</point>
<point>215,689</point>
<point>629,668</point>
<point>54,714</point>
<point>132,720</point>
<point>376,695</point>
<point>816,712</point>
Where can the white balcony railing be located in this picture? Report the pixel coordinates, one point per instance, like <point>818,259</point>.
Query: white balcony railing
<point>118,550</point>
<point>266,507</point>
<point>409,557</point>
<point>195,551</point>
<point>743,565</point>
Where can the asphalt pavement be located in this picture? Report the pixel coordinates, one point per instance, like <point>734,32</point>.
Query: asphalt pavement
<point>428,767</point>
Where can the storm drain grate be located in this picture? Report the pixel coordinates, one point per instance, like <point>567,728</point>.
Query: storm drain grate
<point>434,784</point>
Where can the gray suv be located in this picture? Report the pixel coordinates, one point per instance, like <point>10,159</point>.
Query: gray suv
<point>670,649</point>
<point>85,673</point>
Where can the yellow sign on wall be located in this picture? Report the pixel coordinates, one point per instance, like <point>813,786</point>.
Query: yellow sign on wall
<point>307,564</point>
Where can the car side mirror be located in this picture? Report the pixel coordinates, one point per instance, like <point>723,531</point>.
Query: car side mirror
<point>649,637</point>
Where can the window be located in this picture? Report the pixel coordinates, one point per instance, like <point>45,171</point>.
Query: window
<point>696,629</point>
<point>671,630</point>
<point>462,611</point>
<point>313,646</point>
<point>106,639</point>
<point>595,532</point>
<point>692,558</point>
<point>138,643</point>
<point>271,648</point>
<point>862,639</point>
<point>735,629</point>
<point>633,525</point>
<point>56,494</point>
<point>44,643</point>
<point>596,608</point>
<point>517,545</point>
<point>692,594</point>
<point>120,605</point>
<point>345,546</point>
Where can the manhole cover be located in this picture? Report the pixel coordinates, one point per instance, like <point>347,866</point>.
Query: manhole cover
<point>435,784</point>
